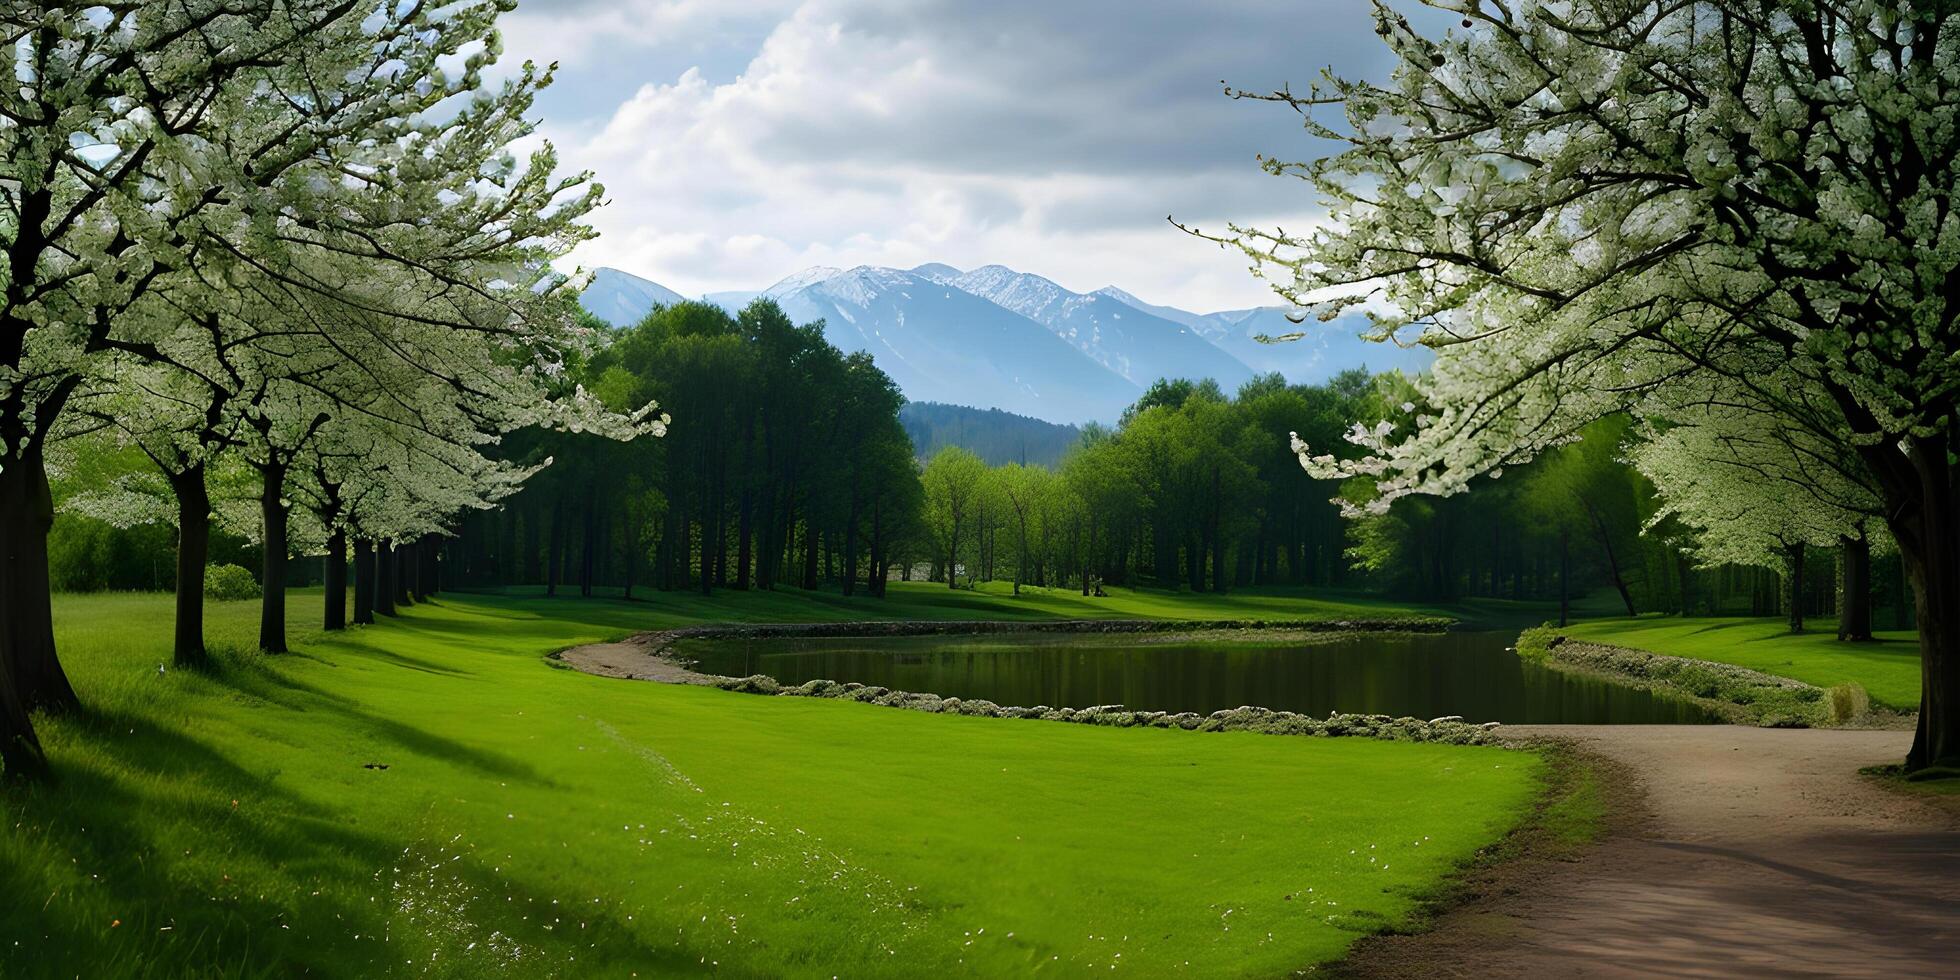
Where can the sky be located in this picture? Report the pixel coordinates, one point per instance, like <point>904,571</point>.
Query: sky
<point>740,141</point>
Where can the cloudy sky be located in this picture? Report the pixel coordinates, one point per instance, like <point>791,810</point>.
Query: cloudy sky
<point>742,140</point>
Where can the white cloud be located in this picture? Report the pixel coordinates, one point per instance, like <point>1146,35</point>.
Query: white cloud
<point>1050,137</point>
<point>573,31</point>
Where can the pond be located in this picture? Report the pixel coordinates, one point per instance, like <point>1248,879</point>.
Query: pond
<point>1472,674</point>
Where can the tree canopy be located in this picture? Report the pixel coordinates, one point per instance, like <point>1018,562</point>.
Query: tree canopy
<point>1609,206</point>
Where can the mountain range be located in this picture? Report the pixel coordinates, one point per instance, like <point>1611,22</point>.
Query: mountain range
<point>993,337</point>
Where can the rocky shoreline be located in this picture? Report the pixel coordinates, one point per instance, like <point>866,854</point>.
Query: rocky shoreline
<point>1246,718</point>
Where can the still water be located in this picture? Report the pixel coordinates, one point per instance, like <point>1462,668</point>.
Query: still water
<point>1422,675</point>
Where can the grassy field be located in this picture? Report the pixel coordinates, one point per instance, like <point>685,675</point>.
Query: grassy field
<point>1888,669</point>
<point>995,600</point>
<point>533,821</point>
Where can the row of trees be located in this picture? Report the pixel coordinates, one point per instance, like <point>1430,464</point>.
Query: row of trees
<point>1192,490</point>
<point>791,468</point>
<point>283,250</point>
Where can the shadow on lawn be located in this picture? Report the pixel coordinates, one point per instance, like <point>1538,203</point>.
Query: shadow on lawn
<point>149,868</point>
<point>263,678</point>
<point>145,824</point>
<point>155,853</point>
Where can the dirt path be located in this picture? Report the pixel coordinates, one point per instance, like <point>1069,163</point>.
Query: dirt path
<point>634,658</point>
<point>1760,852</point>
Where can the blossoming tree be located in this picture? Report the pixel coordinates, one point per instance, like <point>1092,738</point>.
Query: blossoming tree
<point>269,167</point>
<point>1756,490</point>
<point>1615,205</point>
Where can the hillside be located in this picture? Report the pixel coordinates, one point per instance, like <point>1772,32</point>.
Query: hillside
<point>995,436</point>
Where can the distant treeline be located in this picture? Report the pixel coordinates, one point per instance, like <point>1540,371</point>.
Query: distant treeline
<point>995,436</point>
<point>791,463</point>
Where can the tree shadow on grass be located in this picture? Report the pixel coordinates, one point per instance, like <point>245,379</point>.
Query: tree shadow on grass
<point>263,681</point>
<point>157,855</point>
<point>146,823</point>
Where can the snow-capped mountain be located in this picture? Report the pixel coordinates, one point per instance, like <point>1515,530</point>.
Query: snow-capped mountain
<point>1326,349</point>
<point>1132,342</point>
<point>942,343</point>
<point>623,299</point>
<point>997,338</point>
<point>1197,321</point>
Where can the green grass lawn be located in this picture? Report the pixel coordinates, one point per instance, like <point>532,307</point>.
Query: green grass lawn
<point>535,821</point>
<point>1888,669</point>
<point>995,600</point>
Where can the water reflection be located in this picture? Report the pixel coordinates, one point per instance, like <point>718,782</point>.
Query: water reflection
<point>1424,675</point>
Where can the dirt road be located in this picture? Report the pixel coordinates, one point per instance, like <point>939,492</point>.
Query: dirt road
<point>1759,853</point>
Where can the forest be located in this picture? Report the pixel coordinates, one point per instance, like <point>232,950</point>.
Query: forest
<point>1191,490</point>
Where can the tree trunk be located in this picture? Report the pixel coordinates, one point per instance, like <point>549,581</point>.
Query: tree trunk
<point>632,561</point>
<point>785,537</point>
<point>506,563</point>
<point>426,549</point>
<point>1564,576</point>
<point>335,580</point>
<point>30,675</point>
<point>554,549</point>
<point>273,515</point>
<point>1218,581</point>
<point>1216,533</point>
<point>404,579</point>
<point>1855,584</point>
<point>532,573</point>
<point>1933,562</point>
<point>880,557</point>
<point>851,546</point>
<point>765,538</point>
<point>953,555</point>
<point>1612,560</point>
<point>193,554</point>
<point>1902,607</point>
<point>809,553</point>
<point>721,531</point>
<point>745,553</point>
<point>589,551</point>
<point>363,581</point>
<point>684,556</point>
<point>1796,561</point>
<point>384,577</point>
<point>1088,558</point>
<point>1923,514</point>
<point>707,558</point>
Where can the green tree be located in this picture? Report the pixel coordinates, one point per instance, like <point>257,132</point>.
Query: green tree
<point>953,480</point>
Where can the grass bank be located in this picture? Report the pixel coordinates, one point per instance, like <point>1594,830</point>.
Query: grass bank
<point>996,601</point>
<point>429,797</point>
<point>1888,668</point>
